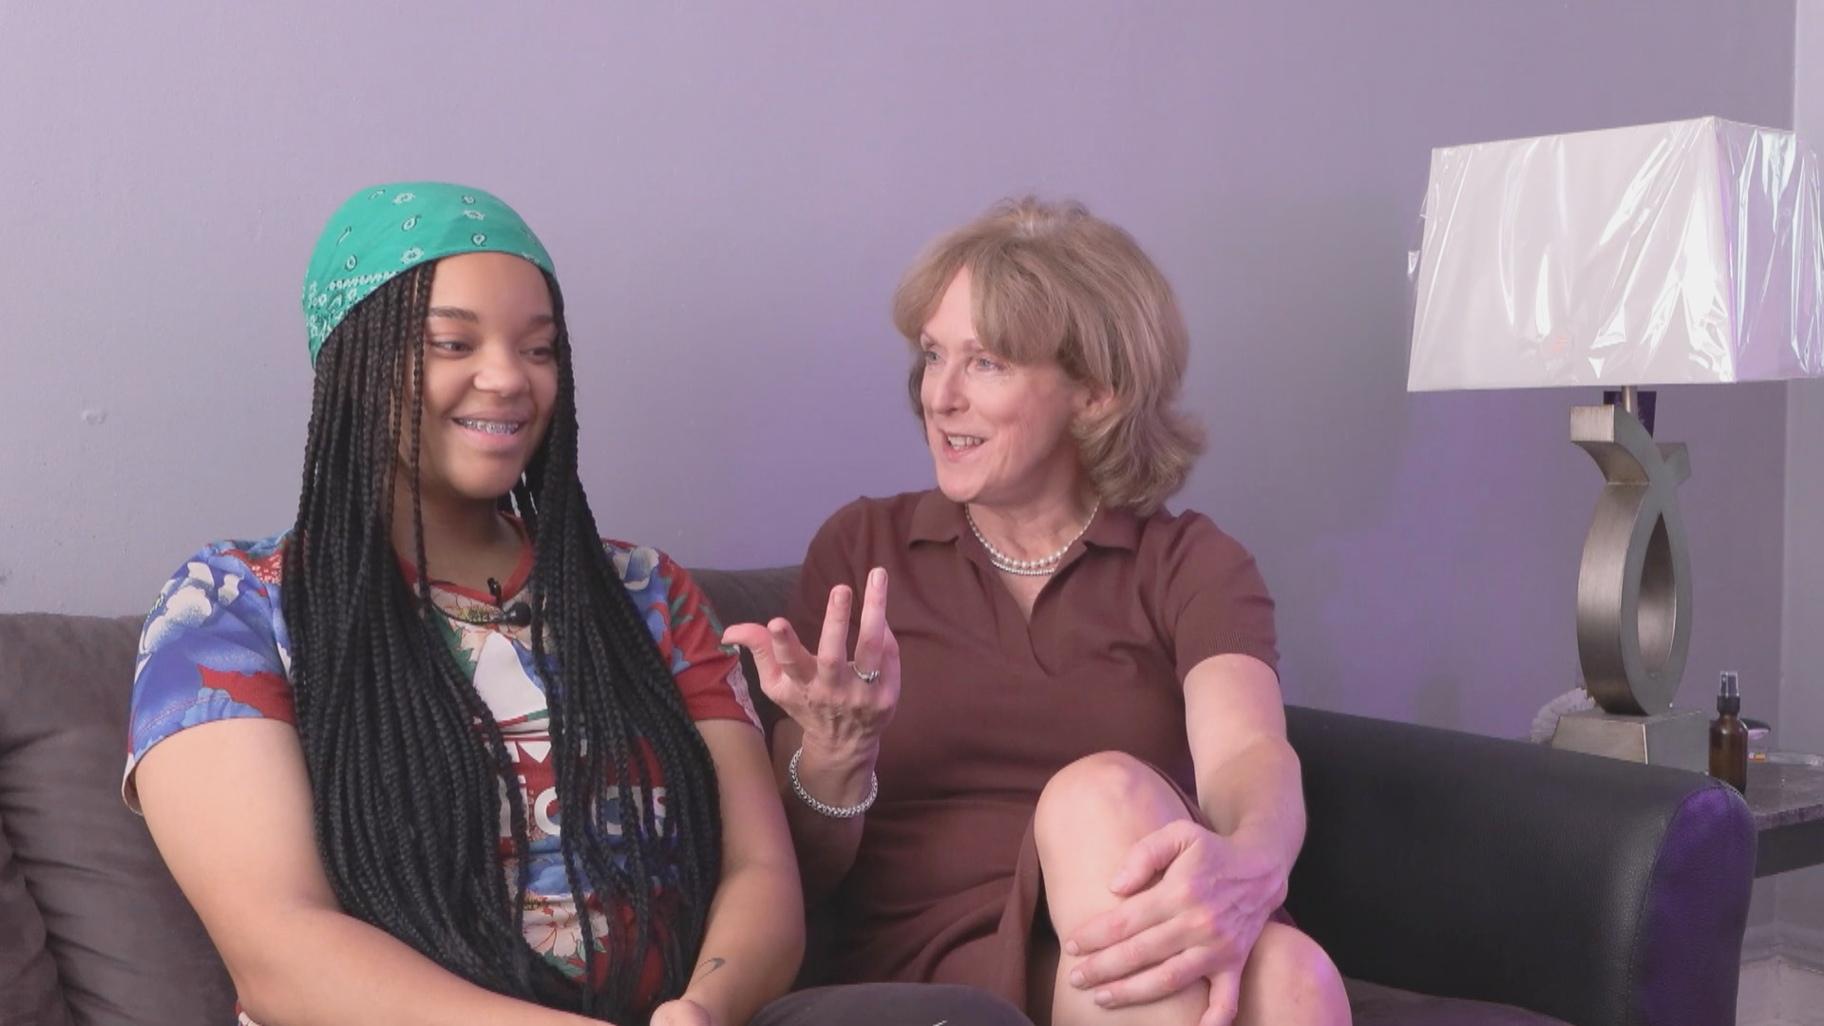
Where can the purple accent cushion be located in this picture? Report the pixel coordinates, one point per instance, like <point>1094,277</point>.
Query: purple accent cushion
<point>127,947</point>
<point>1700,878</point>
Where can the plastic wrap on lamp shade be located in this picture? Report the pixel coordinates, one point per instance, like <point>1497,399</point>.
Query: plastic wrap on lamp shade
<point>1675,253</point>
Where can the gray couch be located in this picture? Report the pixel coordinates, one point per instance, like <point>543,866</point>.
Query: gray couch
<point>1558,887</point>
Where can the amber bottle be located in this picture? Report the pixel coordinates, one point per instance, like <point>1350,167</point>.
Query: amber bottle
<point>1728,738</point>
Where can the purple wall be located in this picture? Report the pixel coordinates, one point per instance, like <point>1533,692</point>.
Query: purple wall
<point>1800,726</point>
<point>731,193</point>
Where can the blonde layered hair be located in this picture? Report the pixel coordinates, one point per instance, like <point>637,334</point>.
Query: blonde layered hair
<point>1050,281</point>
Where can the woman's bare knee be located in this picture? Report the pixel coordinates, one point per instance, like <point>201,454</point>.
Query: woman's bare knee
<point>1290,980</point>
<point>1111,793</point>
<point>1089,817</point>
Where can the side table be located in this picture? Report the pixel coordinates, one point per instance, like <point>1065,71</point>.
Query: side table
<point>1788,805</point>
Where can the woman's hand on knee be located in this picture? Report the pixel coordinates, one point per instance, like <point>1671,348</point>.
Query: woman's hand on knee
<point>1193,904</point>
<point>842,704</point>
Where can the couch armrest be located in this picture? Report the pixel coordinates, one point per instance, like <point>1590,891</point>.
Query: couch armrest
<point>1600,892</point>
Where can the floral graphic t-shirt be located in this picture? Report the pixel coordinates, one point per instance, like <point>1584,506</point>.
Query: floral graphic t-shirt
<point>215,647</point>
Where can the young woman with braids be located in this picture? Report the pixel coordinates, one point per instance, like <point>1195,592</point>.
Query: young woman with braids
<point>440,753</point>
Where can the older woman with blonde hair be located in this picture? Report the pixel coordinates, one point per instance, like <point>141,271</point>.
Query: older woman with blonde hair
<point>1055,764</point>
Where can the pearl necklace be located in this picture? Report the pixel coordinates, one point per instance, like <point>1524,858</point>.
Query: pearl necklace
<point>1041,567</point>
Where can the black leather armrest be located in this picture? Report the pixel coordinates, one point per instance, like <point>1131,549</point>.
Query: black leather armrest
<point>1601,892</point>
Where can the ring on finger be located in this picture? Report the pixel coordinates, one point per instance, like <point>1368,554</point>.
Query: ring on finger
<point>867,676</point>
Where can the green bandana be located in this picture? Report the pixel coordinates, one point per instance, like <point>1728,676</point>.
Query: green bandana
<point>392,228</point>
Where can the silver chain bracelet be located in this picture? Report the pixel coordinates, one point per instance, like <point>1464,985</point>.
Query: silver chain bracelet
<point>832,811</point>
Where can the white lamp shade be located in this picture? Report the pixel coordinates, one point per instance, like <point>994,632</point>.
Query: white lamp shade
<point>1675,253</point>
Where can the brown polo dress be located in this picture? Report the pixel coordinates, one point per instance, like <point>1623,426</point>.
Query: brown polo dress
<point>945,886</point>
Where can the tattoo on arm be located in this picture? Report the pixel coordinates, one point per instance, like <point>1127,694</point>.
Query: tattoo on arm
<point>711,966</point>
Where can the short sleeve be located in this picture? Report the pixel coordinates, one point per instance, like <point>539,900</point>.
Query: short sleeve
<point>1215,601</point>
<point>688,634</point>
<point>210,650</point>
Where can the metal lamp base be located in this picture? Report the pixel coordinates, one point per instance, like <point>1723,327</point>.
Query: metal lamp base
<point>1680,739</point>
<point>1634,583</point>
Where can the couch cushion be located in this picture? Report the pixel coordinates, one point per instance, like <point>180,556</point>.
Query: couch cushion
<point>750,596</point>
<point>85,900</point>
<point>29,993</point>
<point>744,596</point>
<point>1371,1004</point>
<point>127,947</point>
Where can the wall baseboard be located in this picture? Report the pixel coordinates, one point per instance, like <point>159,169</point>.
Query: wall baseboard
<point>1800,945</point>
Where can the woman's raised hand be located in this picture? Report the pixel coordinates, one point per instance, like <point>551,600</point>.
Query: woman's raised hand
<point>842,703</point>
